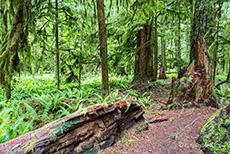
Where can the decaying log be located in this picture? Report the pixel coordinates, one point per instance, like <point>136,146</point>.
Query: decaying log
<point>194,86</point>
<point>85,131</point>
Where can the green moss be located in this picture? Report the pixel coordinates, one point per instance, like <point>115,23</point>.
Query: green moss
<point>215,134</point>
<point>227,122</point>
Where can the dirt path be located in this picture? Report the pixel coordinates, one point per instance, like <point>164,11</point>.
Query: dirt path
<point>160,137</point>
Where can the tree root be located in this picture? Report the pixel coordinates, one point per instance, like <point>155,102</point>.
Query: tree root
<point>174,136</point>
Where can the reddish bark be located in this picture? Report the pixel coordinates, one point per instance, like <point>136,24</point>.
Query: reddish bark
<point>144,62</point>
<point>84,131</point>
<point>194,87</point>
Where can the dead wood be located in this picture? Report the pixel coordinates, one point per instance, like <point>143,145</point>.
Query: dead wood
<point>84,131</point>
<point>194,87</point>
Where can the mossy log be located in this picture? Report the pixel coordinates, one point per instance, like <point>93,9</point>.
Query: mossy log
<point>194,86</point>
<point>215,135</point>
<point>85,131</point>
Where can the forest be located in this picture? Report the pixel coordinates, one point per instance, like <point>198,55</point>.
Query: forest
<point>171,57</point>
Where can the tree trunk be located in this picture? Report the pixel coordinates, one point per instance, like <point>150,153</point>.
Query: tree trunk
<point>144,63</point>
<point>194,87</point>
<point>228,77</point>
<point>162,74</point>
<point>57,48</point>
<point>178,44</point>
<point>6,77</point>
<point>155,52</point>
<point>85,131</point>
<point>215,56</point>
<point>16,42</point>
<point>103,46</point>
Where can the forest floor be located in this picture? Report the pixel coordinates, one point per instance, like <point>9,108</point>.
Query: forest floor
<point>177,135</point>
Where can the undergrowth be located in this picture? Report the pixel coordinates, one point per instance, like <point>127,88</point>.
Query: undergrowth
<point>36,102</point>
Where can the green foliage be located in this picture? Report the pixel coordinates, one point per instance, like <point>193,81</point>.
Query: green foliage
<point>162,82</point>
<point>33,106</point>
<point>171,75</point>
<point>221,77</point>
<point>35,101</point>
<point>223,93</point>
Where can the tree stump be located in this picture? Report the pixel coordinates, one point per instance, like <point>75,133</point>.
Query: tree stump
<point>194,86</point>
<point>85,131</point>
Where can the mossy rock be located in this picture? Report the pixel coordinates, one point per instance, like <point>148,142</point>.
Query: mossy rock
<point>215,135</point>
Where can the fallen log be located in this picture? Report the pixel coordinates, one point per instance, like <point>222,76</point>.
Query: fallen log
<point>85,131</point>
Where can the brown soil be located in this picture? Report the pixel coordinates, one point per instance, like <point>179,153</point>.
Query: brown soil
<point>177,135</point>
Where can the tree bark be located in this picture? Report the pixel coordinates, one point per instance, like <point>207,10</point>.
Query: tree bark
<point>178,45</point>
<point>103,46</point>
<point>228,77</point>
<point>85,131</point>
<point>57,48</point>
<point>215,56</point>
<point>155,52</point>
<point>15,42</point>
<point>144,63</point>
<point>162,74</point>
<point>6,77</point>
<point>195,86</point>
<point>200,25</point>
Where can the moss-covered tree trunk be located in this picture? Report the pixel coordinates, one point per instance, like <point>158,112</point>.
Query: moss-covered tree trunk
<point>162,74</point>
<point>57,47</point>
<point>103,46</point>
<point>144,63</point>
<point>15,41</point>
<point>155,68</point>
<point>194,86</point>
<point>6,77</point>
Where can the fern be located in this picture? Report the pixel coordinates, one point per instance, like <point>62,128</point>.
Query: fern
<point>31,111</point>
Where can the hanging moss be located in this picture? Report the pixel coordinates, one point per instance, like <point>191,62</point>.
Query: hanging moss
<point>15,41</point>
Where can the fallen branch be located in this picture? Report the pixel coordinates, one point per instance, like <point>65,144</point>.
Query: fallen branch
<point>221,83</point>
<point>175,135</point>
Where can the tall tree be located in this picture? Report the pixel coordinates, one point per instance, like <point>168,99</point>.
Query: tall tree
<point>144,63</point>
<point>57,47</point>
<point>162,74</point>
<point>5,77</point>
<point>155,65</point>
<point>103,46</point>
<point>215,52</point>
<point>196,86</point>
<point>15,41</point>
<point>198,28</point>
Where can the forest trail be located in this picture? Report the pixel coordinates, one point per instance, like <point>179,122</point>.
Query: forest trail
<point>177,135</point>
